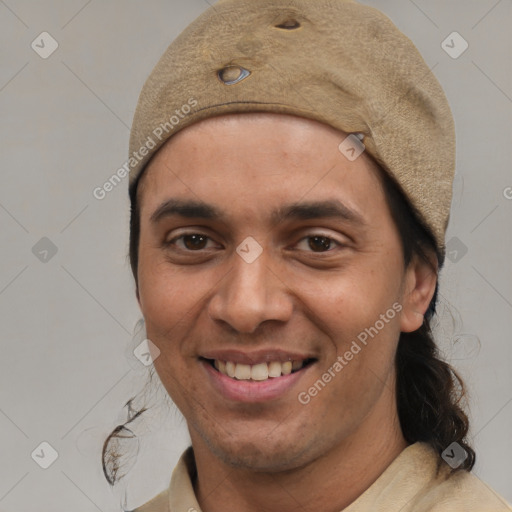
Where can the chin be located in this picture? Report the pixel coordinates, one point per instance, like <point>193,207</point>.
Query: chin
<point>262,454</point>
<point>252,458</point>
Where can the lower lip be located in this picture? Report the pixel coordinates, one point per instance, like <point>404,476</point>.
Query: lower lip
<point>249,391</point>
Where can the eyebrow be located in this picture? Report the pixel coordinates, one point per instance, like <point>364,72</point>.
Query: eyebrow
<point>329,208</point>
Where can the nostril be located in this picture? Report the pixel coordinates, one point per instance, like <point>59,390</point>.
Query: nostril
<point>289,24</point>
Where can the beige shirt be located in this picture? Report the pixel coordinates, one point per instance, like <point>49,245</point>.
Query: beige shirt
<point>410,484</point>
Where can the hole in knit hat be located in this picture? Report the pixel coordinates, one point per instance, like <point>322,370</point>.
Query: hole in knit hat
<point>289,24</point>
<point>232,74</point>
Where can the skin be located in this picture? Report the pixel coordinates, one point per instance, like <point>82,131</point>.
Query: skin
<point>297,296</point>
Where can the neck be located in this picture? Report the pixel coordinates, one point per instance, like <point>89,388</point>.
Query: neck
<point>330,482</point>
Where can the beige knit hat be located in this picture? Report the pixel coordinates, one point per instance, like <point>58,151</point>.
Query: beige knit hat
<point>335,61</point>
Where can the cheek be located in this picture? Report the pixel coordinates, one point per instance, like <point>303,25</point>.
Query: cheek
<point>163,306</point>
<point>166,293</point>
<point>345,304</point>
<point>173,301</point>
<point>182,389</point>
<point>359,313</point>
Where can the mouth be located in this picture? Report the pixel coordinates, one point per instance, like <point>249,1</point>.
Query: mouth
<point>265,375</point>
<point>263,371</point>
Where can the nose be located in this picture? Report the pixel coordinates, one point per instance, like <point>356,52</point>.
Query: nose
<point>250,294</point>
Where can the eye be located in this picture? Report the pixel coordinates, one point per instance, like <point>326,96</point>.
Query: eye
<point>191,241</point>
<point>195,242</point>
<point>320,243</point>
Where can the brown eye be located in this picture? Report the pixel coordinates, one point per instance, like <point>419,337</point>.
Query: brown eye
<point>189,242</point>
<point>196,241</point>
<point>319,243</point>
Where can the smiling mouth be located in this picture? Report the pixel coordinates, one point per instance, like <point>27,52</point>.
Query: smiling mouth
<point>258,372</point>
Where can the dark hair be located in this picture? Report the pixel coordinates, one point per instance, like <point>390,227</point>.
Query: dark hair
<point>429,391</point>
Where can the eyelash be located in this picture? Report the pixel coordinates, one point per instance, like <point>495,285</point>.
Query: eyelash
<point>311,235</point>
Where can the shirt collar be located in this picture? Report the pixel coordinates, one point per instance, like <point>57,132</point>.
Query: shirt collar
<point>413,470</point>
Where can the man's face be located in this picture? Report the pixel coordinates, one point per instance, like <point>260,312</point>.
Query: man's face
<point>323,280</point>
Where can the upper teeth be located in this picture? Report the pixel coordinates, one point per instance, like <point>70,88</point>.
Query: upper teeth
<point>260,371</point>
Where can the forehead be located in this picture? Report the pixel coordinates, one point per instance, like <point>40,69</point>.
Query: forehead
<point>252,160</point>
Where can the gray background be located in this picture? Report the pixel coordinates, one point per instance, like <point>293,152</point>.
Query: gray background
<point>68,321</point>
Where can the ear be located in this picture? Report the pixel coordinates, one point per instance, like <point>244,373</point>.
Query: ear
<point>419,288</point>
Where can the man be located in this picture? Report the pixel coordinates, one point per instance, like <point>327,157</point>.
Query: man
<point>291,170</point>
